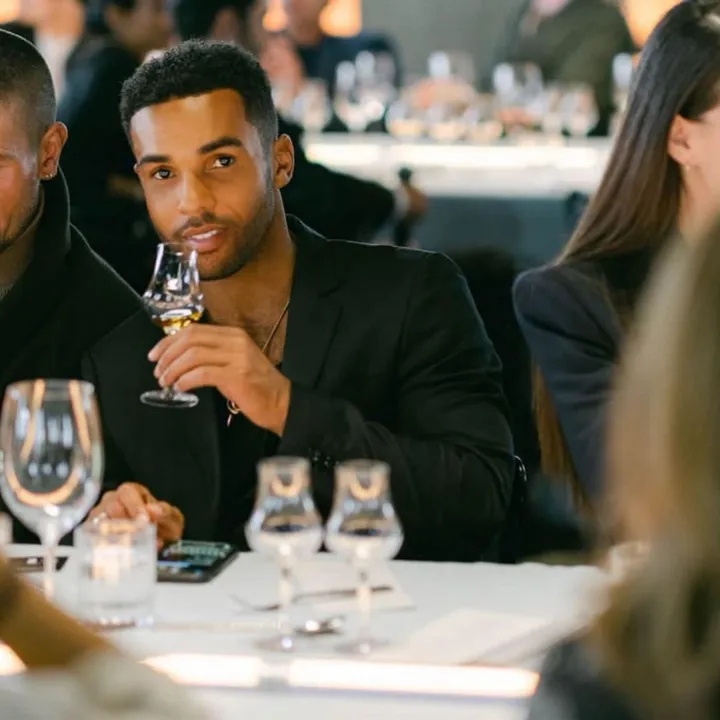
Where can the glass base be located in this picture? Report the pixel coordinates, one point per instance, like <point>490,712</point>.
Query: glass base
<point>165,399</point>
<point>361,647</point>
<point>276,644</point>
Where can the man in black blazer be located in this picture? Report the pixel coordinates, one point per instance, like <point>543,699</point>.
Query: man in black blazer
<point>56,297</point>
<point>325,349</point>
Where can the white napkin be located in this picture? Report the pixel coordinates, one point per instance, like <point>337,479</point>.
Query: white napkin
<point>474,636</point>
<point>325,574</point>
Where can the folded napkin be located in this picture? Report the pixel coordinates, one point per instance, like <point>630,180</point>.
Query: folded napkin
<point>468,636</point>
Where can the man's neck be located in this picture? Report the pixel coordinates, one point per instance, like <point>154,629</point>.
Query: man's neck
<point>254,296</point>
<point>306,35</point>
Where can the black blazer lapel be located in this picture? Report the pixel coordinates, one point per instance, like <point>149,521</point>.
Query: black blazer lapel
<point>175,453</point>
<point>314,311</point>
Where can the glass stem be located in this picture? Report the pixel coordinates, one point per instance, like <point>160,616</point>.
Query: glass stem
<point>50,541</point>
<point>285,598</point>
<point>364,596</point>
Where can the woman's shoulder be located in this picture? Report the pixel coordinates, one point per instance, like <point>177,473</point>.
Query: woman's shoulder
<point>573,687</point>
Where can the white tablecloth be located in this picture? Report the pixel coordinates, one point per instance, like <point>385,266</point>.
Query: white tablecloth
<point>437,589</point>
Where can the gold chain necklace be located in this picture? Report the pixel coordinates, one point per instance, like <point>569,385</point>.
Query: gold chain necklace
<point>233,409</point>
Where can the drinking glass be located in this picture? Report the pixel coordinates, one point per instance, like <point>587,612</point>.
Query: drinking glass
<point>117,562</point>
<point>449,65</point>
<point>579,110</point>
<point>311,108</point>
<point>52,459</point>
<point>174,301</point>
<point>364,529</point>
<point>286,526</point>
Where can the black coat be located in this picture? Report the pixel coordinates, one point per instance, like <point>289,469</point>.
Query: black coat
<point>575,336</point>
<point>388,360</point>
<point>65,302</point>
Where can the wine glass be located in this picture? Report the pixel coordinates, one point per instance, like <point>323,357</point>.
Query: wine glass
<point>449,65</point>
<point>580,110</point>
<point>312,108</point>
<point>174,301</point>
<point>363,528</point>
<point>52,459</point>
<point>286,526</point>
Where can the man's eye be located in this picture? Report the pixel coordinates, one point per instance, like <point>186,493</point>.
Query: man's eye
<point>224,161</point>
<point>161,174</point>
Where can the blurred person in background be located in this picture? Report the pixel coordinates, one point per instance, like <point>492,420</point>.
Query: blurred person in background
<point>57,298</point>
<point>654,653</point>
<point>332,203</point>
<point>72,673</point>
<point>662,178</point>
<point>303,50</point>
<point>572,42</point>
<point>642,16</point>
<point>107,202</point>
<point>54,26</point>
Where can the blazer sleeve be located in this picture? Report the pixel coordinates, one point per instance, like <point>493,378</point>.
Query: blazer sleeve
<point>334,204</point>
<point>569,328</point>
<point>451,449</point>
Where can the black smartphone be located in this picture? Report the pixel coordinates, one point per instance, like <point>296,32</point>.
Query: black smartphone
<point>33,564</point>
<point>191,561</point>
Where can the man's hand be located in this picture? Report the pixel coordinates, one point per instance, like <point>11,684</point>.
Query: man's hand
<point>283,67</point>
<point>227,359</point>
<point>131,501</point>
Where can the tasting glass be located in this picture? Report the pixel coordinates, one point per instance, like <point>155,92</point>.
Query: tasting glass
<point>174,301</point>
<point>52,456</point>
<point>364,529</point>
<point>286,526</point>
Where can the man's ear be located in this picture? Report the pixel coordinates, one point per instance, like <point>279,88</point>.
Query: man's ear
<point>51,146</point>
<point>283,161</point>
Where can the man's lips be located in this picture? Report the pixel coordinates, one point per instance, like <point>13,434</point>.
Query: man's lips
<point>204,238</point>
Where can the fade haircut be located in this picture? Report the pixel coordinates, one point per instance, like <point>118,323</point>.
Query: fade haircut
<point>25,79</point>
<point>199,67</point>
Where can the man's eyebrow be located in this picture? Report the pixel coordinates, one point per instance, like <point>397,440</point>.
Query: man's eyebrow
<point>150,159</point>
<point>221,142</point>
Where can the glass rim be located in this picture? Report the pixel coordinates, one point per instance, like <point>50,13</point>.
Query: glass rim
<point>284,464</point>
<point>55,389</point>
<point>104,526</point>
<point>364,465</point>
<point>176,247</point>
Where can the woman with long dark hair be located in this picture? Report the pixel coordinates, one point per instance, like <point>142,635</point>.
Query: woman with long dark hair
<point>662,179</point>
<point>654,652</point>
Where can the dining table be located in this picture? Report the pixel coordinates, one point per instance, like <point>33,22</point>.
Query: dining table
<point>205,636</point>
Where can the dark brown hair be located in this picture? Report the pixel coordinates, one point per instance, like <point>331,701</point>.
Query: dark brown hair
<point>636,205</point>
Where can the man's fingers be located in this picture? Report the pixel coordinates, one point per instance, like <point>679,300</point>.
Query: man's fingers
<point>170,521</point>
<point>132,500</point>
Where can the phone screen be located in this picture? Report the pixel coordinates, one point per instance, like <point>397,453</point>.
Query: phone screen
<point>190,561</point>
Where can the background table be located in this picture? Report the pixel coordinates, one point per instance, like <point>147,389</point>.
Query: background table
<point>437,589</point>
<point>511,194</point>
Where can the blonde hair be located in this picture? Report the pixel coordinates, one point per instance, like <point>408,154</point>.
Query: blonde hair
<point>660,637</point>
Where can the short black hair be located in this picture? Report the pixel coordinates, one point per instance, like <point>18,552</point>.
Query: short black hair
<point>25,77</point>
<point>198,67</point>
<point>193,19</point>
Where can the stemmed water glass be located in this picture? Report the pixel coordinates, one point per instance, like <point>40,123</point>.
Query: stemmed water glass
<point>286,526</point>
<point>52,456</point>
<point>364,529</point>
<point>174,301</point>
